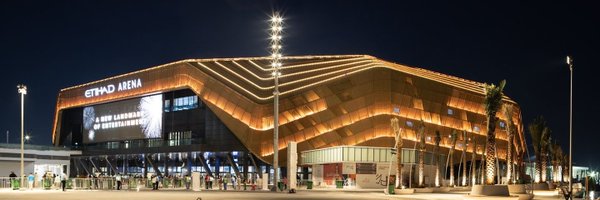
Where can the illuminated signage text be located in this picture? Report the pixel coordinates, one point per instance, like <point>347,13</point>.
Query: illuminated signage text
<point>108,89</point>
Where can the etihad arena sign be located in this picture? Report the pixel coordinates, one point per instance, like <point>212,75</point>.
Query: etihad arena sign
<point>108,89</point>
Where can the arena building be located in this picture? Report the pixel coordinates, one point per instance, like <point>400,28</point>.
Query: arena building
<point>216,115</point>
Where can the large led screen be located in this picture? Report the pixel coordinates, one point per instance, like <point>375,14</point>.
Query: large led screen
<point>138,118</point>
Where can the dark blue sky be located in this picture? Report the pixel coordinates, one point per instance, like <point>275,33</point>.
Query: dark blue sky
<point>49,45</point>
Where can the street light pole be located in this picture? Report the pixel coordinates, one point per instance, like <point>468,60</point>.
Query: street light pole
<point>570,63</point>
<point>23,91</point>
<point>276,28</point>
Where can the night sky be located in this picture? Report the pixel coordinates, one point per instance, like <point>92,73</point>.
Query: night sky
<point>50,45</point>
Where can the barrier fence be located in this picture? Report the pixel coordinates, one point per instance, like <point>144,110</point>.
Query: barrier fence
<point>101,183</point>
<point>110,183</point>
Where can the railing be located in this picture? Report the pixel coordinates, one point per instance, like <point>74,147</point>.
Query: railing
<point>34,147</point>
<point>110,183</point>
<point>5,182</point>
<point>140,143</point>
<point>105,183</point>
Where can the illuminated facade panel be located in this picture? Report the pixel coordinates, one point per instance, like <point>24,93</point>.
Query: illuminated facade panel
<point>325,101</point>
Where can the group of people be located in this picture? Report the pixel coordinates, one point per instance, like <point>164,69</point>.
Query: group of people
<point>222,182</point>
<point>60,180</point>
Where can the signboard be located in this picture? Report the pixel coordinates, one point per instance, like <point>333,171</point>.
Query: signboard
<point>384,168</point>
<point>366,168</point>
<point>138,118</point>
<point>317,174</point>
<point>349,168</point>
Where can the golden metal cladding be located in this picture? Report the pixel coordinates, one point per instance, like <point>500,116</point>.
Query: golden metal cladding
<point>325,100</point>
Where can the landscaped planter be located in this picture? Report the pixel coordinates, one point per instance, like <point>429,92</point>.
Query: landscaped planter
<point>339,184</point>
<point>490,190</point>
<point>47,183</point>
<point>16,184</point>
<point>391,189</point>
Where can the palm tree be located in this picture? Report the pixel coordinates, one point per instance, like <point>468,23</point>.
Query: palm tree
<point>464,161</point>
<point>473,167</point>
<point>508,113</point>
<point>451,156</point>
<point>421,153</point>
<point>398,145</point>
<point>566,175</point>
<point>482,166</point>
<point>492,103</point>
<point>540,136</point>
<point>557,155</point>
<point>436,159</point>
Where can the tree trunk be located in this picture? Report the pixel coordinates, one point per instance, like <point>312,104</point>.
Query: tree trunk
<point>464,165</point>
<point>519,166</point>
<point>538,169</point>
<point>555,171</point>
<point>422,156</point>
<point>452,168</point>
<point>436,159</point>
<point>399,164</point>
<point>491,151</point>
<point>482,166</point>
<point>509,161</point>
<point>451,159</point>
<point>421,167</point>
<point>473,168</point>
<point>544,165</point>
<point>437,167</point>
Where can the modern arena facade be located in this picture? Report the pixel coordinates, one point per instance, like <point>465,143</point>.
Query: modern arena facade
<point>215,116</point>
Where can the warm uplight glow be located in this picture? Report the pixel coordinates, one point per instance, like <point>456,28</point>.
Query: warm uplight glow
<point>237,89</point>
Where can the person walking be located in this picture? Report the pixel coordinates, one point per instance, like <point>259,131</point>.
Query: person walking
<point>63,181</point>
<point>225,181</point>
<point>188,180</point>
<point>56,181</point>
<point>30,179</point>
<point>118,179</point>
<point>220,182</point>
<point>153,180</point>
<point>233,179</point>
<point>201,180</point>
<point>210,181</point>
<point>157,181</point>
<point>35,178</point>
<point>206,179</point>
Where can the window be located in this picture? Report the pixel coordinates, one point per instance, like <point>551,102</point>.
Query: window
<point>180,138</point>
<point>167,106</point>
<point>409,123</point>
<point>502,125</point>
<point>183,103</point>
<point>396,110</point>
<point>476,129</point>
<point>450,111</point>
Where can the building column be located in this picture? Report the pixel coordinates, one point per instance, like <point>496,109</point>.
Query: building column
<point>144,166</point>
<point>245,167</point>
<point>189,163</point>
<point>217,165</point>
<point>166,169</point>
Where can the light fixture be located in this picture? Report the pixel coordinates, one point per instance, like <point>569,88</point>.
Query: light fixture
<point>276,28</point>
<point>22,89</point>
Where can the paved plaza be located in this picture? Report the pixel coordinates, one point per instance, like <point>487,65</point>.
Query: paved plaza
<point>227,195</point>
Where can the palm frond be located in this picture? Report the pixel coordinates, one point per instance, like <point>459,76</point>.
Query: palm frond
<point>493,97</point>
